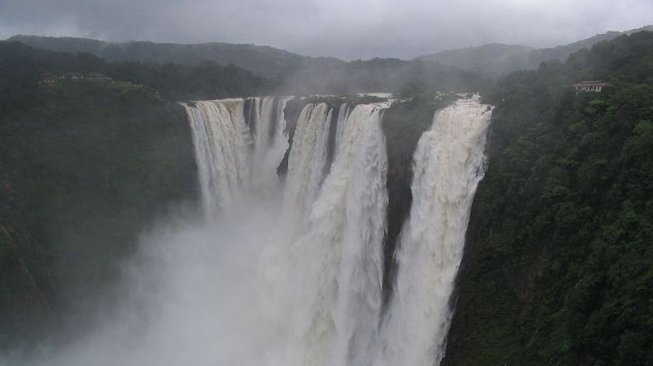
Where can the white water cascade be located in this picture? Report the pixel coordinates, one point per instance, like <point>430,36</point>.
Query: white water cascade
<point>327,258</point>
<point>306,165</point>
<point>333,247</point>
<point>290,272</point>
<point>337,262</point>
<point>321,274</point>
<point>449,163</point>
<point>233,162</point>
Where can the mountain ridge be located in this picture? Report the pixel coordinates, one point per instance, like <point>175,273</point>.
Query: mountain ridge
<point>261,60</point>
<point>497,59</point>
<point>490,60</point>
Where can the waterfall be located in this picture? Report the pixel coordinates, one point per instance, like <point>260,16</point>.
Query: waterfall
<point>221,151</point>
<point>339,258</point>
<point>270,144</point>
<point>332,218</point>
<point>327,257</point>
<point>448,164</point>
<point>232,159</point>
<point>306,166</point>
<point>291,274</point>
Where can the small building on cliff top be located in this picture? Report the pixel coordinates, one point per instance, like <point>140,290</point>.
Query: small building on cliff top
<point>587,86</point>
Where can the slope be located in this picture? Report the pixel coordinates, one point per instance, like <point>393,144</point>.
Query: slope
<point>499,59</point>
<point>262,60</point>
<point>557,268</point>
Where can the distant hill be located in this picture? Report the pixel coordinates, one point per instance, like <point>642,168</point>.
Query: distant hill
<point>491,59</point>
<point>499,59</point>
<point>378,74</point>
<point>210,80</point>
<point>261,60</point>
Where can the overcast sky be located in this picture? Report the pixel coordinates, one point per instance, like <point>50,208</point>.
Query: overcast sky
<point>347,29</point>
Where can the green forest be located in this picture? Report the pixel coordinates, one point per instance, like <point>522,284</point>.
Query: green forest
<point>558,265</point>
<point>81,163</point>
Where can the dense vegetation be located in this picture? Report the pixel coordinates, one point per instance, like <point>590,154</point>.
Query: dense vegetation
<point>22,67</point>
<point>81,163</point>
<point>558,267</point>
<point>198,72</point>
<point>494,60</point>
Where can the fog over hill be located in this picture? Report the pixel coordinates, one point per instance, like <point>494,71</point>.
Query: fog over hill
<point>499,59</point>
<point>262,60</point>
<point>490,60</point>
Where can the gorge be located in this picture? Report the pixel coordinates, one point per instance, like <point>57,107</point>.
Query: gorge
<point>333,215</point>
<point>290,272</point>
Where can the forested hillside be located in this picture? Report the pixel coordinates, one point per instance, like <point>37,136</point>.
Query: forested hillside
<point>22,67</point>
<point>209,71</point>
<point>495,60</point>
<point>558,267</point>
<point>81,163</point>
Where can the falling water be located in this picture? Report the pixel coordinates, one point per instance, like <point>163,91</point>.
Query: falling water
<point>270,143</point>
<point>306,166</point>
<point>449,163</point>
<point>297,282</point>
<point>334,223</point>
<point>339,257</point>
<point>221,139</point>
<point>232,160</point>
<point>326,259</point>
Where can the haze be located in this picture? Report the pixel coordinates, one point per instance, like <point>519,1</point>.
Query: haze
<point>340,28</point>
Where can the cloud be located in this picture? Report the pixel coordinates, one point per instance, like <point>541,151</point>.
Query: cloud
<point>342,28</point>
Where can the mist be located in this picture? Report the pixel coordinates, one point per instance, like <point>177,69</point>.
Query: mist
<point>291,273</point>
<point>191,294</point>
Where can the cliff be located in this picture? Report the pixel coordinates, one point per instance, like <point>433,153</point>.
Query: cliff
<point>557,268</point>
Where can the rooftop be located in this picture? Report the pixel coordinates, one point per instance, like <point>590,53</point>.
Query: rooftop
<point>591,82</point>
